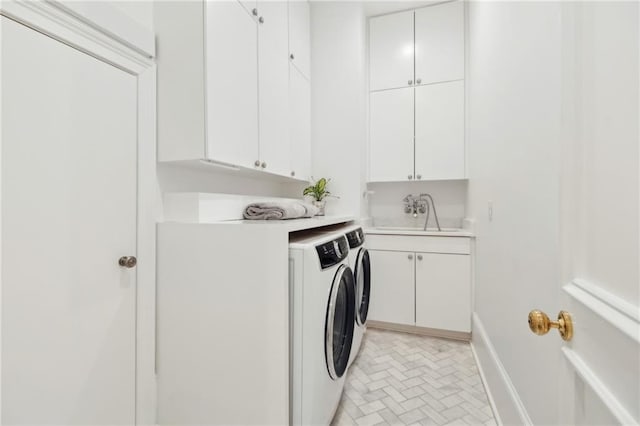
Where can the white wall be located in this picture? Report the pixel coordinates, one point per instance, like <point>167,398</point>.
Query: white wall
<point>338,102</point>
<point>386,207</point>
<point>514,78</point>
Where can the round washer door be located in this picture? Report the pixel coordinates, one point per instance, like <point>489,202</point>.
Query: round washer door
<point>339,322</point>
<point>363,285</point>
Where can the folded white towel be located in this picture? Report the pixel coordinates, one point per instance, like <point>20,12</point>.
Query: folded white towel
<point>278,210</point>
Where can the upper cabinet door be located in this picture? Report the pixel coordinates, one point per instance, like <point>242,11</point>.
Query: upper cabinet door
<point>391,135</point>
<point>275,154</point>
<point>439,43</point>
<point>231,83</point>
<point>300,124</point>
<point>391,51</point>
<point>299,29</point>
<point>249,5</point>
<point>440,146</point>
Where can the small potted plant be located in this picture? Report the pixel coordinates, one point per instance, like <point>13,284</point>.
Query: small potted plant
<point>318,192</point>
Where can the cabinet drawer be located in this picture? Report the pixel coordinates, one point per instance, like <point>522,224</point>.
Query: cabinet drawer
<point>419,243</point>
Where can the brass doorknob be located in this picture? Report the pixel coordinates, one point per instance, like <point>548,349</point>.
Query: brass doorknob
<point>540,324</point>
<point>128,261</point>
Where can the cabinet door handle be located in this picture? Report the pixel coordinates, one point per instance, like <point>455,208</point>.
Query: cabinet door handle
<point>410,82</point>
<point>255,12</point>
<point>419,257</point>
<point>410,257</point>
<point>293,173</point>
<point>418,176</point>
<point>292,56</point>
<point>418,81</point>
<point>409,177</point>
<point>261,20</point>
<point>257,163</point>
<point>263,165</point>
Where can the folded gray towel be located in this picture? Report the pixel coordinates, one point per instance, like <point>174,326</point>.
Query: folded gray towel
<point>278,210</point>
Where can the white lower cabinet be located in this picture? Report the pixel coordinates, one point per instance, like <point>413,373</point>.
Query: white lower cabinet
<point>417,288</point>
<point>443,291</point>
<point>393,294</point>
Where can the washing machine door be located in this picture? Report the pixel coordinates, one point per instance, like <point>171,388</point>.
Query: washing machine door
<point>362,279</point>
<point>340,321</point>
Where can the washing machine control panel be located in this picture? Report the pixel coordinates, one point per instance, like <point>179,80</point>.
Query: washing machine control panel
<point>332,252</point>
<point>356,238</point>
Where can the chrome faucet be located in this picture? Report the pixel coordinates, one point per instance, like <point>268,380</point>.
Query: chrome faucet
<point>414,205</point>
<point>435,213</point>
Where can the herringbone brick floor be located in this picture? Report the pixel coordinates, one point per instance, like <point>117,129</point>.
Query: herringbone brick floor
<point>402,379</point>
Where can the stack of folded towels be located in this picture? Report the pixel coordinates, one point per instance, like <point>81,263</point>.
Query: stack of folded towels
<point>279,210</point>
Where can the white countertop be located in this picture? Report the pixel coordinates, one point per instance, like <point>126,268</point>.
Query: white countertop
<point>446,232</point>
<point>293,225</point>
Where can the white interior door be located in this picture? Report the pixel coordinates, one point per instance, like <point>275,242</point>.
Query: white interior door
<point>69,155</point>
<point>600,214</point>
<point>391,135</point>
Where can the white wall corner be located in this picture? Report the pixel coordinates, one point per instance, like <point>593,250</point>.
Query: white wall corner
<point>505,401</point>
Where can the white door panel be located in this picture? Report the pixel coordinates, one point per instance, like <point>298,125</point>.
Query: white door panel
<point>391,135</point>
<point>440,146</point>
<point>275,153</point>
<point>69,155</point>
<point>439,43</point>
<point>232,83</point>
<point>391,51</point>
<point>392,287</point>
<point>443,291</point>
<point>300,124</point>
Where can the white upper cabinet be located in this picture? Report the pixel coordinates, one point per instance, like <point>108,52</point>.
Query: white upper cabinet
<point>223,83</point>
<point>391,136</point>
<point>273,77</point>
<point>249,5</point>
<point>439,43</point>
<point>391,51</point>
<point>417,120</point>
<point>231,84</point>
<point>300,124</point>
<point>299,40</point>
<point>439,143</point>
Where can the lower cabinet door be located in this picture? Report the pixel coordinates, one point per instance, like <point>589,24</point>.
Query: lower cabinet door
<point>392,287</point>
<point>443,291</point>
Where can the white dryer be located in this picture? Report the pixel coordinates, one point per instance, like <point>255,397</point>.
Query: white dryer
<point>361,266</point>
<point>322,302</point>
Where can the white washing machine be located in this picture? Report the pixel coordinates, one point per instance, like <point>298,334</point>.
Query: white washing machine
<point>361,266</point>
<point>322,302</point>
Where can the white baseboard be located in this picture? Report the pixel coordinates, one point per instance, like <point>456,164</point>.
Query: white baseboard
<point>503,397</point>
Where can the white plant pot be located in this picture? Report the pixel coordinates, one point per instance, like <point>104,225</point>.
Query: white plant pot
<point>320,205</point>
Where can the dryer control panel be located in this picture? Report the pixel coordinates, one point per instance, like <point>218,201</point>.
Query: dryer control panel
<point>332,252</point>
<point>356,238</point>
